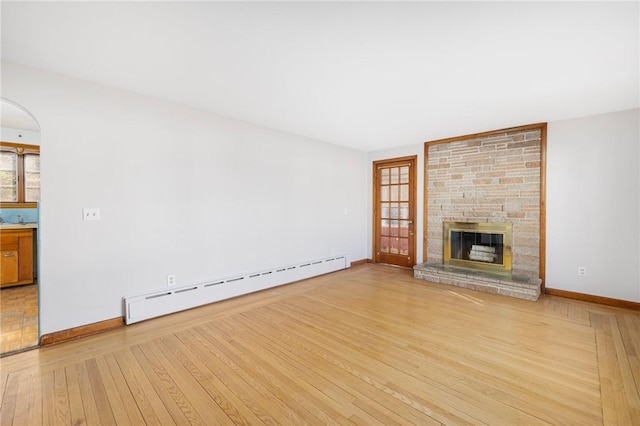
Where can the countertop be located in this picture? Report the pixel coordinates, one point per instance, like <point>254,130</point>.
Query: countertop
<point>18,226</point>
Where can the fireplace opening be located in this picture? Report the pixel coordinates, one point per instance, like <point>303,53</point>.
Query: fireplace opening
<point>477,246</point>
<point>481,246</point>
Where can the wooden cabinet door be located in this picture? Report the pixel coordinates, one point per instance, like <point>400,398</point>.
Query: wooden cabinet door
<point>25,257</point>
<point>8,266</point>
<point>16,248</point>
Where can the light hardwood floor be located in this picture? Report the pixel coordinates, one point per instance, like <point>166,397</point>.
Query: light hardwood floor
<point>18,318</point>
<point>369,345</point>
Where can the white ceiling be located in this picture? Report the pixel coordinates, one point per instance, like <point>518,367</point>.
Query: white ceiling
<point>363,75</point>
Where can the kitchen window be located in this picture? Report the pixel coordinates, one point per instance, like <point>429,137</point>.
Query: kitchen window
<point>19,175</point>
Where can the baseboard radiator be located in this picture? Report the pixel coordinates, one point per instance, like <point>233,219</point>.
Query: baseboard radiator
<point>143,306</point>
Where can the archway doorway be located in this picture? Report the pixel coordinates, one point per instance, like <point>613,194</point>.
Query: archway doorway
<point>19,228</point>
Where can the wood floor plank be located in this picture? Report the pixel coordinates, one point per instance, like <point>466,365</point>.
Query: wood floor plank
<point>614,405</point>
<point>151,406</point>
<point>19,318</point>
<point>369,345</point>
<point>89,395</point>
<point>382,327</point>
<point>61,397</point>
<point>630,331</point>
<point>444,407</point>
<point>28,409</point>
<point>229,393</point>
<point>329,362</point>
<point>412,361</point>
<point>405,355</point>
<point>48,399</point>
<point>284,385</point>
<point>187,386</point>
<point>224,371</point>
<point>74,392</point>
<point>103,407</point>
<point>9,397</point>
<point>35,413</point>
<point>336,384</point>
<point>117,411</point>
<point>268,352</point>
<point>624,364</point>
<point>282,412</point>
<point>4,376</point>
<point>122,391</point>
<point>172,397</point>
<point>227,411</point>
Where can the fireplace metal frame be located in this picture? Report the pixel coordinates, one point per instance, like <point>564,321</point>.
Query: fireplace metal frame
<point>504,229</point>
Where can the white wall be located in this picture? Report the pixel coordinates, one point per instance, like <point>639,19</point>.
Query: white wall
<point>593,184</point>
<point>593,205</point>
<point>180,192</point>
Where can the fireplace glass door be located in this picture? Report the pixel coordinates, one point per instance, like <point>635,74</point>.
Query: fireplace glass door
<point>477,246</point>
<point>481,246</point>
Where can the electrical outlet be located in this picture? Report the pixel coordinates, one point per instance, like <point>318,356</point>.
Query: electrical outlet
<point>171,279</point>
<point>90,214</point>
<point>582,271</point>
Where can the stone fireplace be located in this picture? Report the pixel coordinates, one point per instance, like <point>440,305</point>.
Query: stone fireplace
<point>484,211</point>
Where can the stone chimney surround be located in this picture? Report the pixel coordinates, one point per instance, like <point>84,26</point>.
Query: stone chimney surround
<point>491,177</point>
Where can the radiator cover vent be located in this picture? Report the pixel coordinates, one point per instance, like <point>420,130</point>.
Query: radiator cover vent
<point>143,306</point>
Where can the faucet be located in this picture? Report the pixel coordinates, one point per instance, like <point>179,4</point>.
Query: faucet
<point>1,219</point>
<point>20,219</point>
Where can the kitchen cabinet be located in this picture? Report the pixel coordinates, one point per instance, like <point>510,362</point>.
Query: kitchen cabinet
<point>16,257</point>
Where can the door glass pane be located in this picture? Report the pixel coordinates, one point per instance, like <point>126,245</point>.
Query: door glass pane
<point>404,192</point>
<point>404,210</point>
<point>8,177</point>
<point>404,246</point>
<point>393,230</point>
<point>395,246</point>
<point>404,228</point>
<point>384,244</point>
<point>384,176</point>
<point>384,227</point>
<point>404,174</point>
<point>394,192</point>
<point>384,210</point>
<point>32,177</point>
<point>394,175</point>
<point>394,211</point>
<point>384,193</point>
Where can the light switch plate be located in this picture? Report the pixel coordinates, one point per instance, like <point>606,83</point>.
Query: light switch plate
<point>90,214</point>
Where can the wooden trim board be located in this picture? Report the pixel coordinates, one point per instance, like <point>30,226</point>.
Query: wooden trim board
<point>81,331</point>
<point>594,299</point>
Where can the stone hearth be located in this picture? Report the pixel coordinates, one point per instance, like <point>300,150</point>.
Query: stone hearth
<point>520,286</point>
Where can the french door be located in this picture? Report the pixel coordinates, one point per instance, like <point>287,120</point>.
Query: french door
<point>394,211</point>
